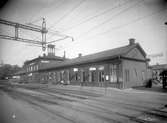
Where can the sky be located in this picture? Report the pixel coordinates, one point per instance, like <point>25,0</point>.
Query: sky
<point>95,25</point>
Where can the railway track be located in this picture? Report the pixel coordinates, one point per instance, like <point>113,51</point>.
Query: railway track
<point>56,102</point>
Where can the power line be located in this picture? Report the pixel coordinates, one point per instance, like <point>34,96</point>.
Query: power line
<point>39,18</point>
<point>36,20</point>
<point>75,7</point>
<point>113,17</point>
<point>99,14</point>
<point>51,32</point>
<point>55,7</point>
<point>104,12</point>
<point>32,36</point>
<point>66,14</point>
<point>131,22</point>
<point>46,11</point>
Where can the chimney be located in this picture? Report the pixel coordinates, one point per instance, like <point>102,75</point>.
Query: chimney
<point>64,54</point>
<point>51,50</point>
<point>79,55</point>
<point>131,41</point>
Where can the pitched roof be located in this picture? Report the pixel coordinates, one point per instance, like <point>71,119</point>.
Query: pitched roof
<point>46,58</point>
<point>105,55</point>
<point>159,67</point>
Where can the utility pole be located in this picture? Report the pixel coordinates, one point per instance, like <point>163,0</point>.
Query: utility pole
<point>44,31</point>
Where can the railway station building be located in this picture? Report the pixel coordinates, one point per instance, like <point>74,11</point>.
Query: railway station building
<point>121,67</point>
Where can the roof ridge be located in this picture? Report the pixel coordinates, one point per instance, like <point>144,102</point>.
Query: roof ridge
<point>102,51</point>
<point>43,57</point>
<point>94,57</point>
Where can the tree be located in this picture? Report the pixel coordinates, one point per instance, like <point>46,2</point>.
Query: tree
<point>8,70</point>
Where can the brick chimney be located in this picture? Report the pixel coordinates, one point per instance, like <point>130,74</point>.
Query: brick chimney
<point>131,41</point>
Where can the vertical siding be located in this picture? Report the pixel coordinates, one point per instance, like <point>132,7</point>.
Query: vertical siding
<point>137,73</point>
<point>68,75</point>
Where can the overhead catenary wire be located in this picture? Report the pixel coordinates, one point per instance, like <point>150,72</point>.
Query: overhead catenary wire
<point>104,12</point>
<point>44,11</point>
<point>34,45</point>
<point>30,35</point>
<point>66,14</point>
<point>126,24</point>
<point>39,18</point>
<point>55,7</point>
<point>51,32</point>
<point>111,18</point>
<point>36,20</point>
<point>57,33</point>
<point>131,22</point>
<point>97,15</point>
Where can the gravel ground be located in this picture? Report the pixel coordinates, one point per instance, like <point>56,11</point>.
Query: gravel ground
<point>65,104</point>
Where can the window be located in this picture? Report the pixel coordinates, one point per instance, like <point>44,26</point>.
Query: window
<point>143,76</point>
<point>113,72</point>
<point>84,76</point>
<point>101,68</point>
<point>67,75</point>
<point>51,75</point>
<point>120,79</point>
<point>37,67</point>
<point>92,68</point>
<point>135,71</point>
<point>127,79</point>
<point>101,76</point>
<point>76,76</point>
<point>61,75</point>
<point>75,69</point>
<point>30,74</point>
<point>55,75</point>
<point>34,68</point>
<point>58,76</point>
<point>93,76</point>
<point>45,61</point>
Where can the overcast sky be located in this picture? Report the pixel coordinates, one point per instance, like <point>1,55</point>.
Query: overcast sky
<point>95,25</point>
